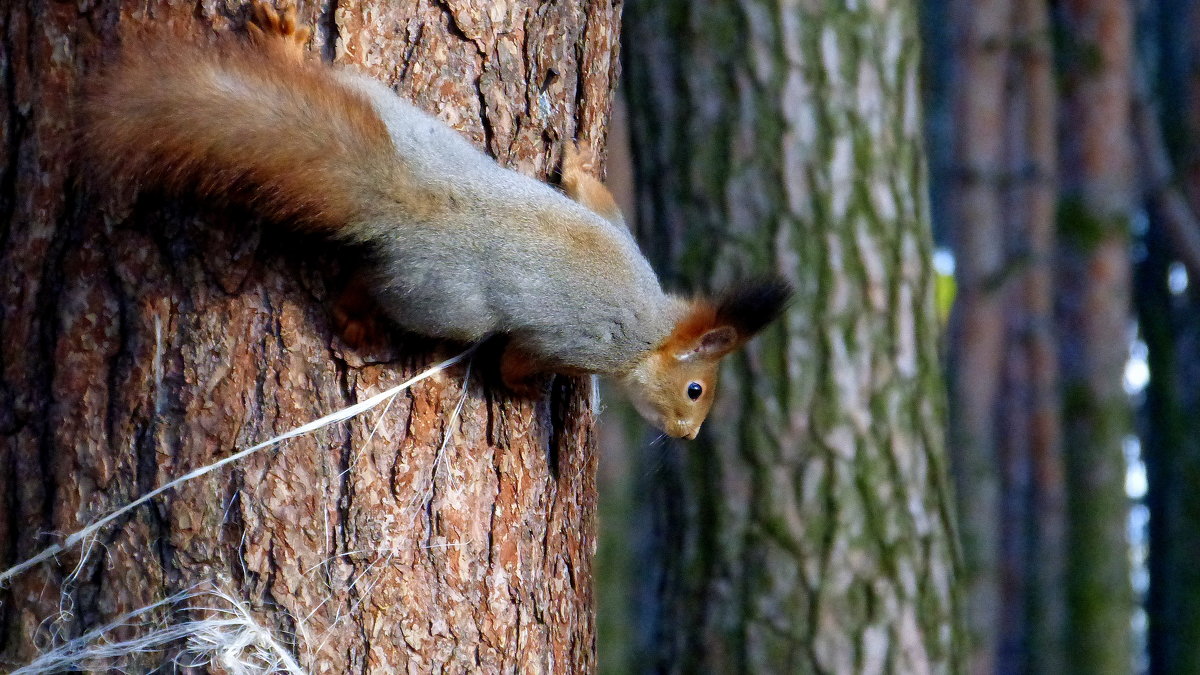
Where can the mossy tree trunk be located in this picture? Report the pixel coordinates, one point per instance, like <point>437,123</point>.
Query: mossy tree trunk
<point>142,339</point>
<point>1094,318</point>
<point>810,529</point>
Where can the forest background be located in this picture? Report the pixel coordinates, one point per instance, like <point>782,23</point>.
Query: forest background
<point>969,444</point>
<point>1063,143</point>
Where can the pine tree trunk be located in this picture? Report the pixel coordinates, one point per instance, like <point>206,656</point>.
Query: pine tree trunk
<point>1005,403</point>
<point>143,338</point>
<point>1035,396</point>
<point>1094,318</point>
<point>977,323</point>
<point>810,529</point>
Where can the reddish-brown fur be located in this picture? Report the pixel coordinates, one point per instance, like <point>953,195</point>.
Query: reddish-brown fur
<point>234,120</point>
<point>580,184</point>
<point>700,318</point>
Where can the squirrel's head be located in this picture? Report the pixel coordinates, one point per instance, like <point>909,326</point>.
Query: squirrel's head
<point>672,385</point>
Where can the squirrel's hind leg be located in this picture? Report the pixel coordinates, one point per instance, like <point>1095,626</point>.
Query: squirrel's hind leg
<point>269,27</point>
<point>581,185</point>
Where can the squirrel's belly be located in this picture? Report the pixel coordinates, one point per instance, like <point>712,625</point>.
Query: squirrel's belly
<point>445,322</point>
<point>450,312</point>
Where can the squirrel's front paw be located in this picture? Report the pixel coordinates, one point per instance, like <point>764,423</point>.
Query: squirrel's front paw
<point>268,26</point>
<point>356,317</point>
<point>521,374</point>
<point>533,386</point>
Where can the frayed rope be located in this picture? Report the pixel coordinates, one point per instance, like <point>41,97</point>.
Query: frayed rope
<point>332,418</point>
<point>230,639</point>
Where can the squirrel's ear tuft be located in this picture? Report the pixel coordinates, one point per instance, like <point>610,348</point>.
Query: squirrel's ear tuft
<point>750,306</point>
<point>710,329</point>
<point>713,344</point>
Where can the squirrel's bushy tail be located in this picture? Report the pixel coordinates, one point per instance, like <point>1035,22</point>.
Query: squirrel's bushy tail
<point>238,120</point>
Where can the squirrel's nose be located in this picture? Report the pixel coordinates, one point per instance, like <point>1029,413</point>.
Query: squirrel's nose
<point>680,429</point>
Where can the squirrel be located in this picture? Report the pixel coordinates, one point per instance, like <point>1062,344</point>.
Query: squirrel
<point>459,247</point>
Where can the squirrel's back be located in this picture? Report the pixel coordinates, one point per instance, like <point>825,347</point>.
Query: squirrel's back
<point>516,255</point>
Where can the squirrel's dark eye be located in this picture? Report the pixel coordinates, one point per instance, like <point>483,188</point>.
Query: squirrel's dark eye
<point>694,390</point>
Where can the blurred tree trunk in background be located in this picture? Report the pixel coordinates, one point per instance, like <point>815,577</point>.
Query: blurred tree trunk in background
<point>617,563</point>
<point>1171,328</point>
<point>1004,400</point>
<point>1169,315</point>
<point>142,341</point>
<point>982,43</point>
<point>810,529</point>
<point>1033,395</point>
<point>1046,547</point>
<point>1094,322</point>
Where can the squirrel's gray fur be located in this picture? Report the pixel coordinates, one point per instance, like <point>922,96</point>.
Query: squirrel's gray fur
<point>460,247</point>
<point>462,277</point>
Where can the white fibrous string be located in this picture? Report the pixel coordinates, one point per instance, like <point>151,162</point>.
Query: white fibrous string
<point>229,637</point>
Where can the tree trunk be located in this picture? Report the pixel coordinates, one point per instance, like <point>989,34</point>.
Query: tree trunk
<point>1004,399</point>
<point>1034,396</point>
<point>977,323</point>
<point>144,339</point>
<point>1094,320</point>
<point>1169,320</point>
<point>810,529</point>
<point>1172,333</point>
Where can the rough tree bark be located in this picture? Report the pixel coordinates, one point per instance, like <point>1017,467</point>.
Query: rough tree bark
<point>810,529</point>
<point>142,339</point>
<point>1094,318</point>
